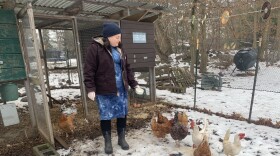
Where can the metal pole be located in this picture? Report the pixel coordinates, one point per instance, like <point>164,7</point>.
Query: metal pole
<point>196,62</point>
<point>255,79</point>
<point>79,64</point>
<point>46,68</point>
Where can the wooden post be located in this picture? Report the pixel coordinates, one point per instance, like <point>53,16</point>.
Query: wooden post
<point>152,83</point>
<point>46,67</point>
<point>79,64</point>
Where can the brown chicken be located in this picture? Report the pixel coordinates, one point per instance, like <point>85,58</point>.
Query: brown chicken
<point>66,124</point>
<point>160,125</point>
<point>178,131</point>
<point>203,148</point>
<point>183,118</point>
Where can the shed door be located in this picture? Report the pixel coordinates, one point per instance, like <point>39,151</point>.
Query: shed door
<point>35,74</point>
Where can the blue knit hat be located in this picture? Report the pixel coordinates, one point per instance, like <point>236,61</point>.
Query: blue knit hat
<point>110,29</point>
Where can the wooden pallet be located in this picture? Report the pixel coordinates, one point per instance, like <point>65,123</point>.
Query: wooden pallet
<point>174,79</point>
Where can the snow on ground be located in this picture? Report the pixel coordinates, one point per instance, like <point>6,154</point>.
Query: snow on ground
<point>259,141</point>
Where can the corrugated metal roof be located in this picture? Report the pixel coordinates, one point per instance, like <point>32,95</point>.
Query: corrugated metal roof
<point>110,10</point>
<point>91,9</point>
<point>108,1</point>
<point>94,6</point>
<point>54,3</point>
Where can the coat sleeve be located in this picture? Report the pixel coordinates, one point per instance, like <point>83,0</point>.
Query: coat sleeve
<point>90,68</point>
<point>130,75</point>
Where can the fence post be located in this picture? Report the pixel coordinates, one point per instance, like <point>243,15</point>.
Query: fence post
<point>255,79</point>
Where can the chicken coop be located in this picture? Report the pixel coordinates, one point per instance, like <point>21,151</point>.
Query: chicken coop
<point>138,44</point>
<point>84,19</point>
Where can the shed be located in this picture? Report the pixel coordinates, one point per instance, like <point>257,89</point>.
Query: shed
<point>83,17</point>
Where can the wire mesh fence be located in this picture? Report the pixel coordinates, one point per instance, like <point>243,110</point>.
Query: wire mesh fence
<point>254,101</point>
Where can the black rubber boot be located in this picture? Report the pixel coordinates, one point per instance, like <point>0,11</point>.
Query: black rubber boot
<point>108,142</point>
<point>121,139</point>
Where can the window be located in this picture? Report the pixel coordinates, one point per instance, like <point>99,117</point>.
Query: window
<point>139,37</point>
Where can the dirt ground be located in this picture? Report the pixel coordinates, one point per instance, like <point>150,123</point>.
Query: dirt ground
<point>18,140</point>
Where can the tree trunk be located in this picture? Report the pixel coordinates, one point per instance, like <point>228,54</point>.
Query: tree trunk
<point>163,43</point>
<point>204,58</point>
<point>278,37</point>
<point>265,38</point>
<point>193,36</point>
<point>255,31</point>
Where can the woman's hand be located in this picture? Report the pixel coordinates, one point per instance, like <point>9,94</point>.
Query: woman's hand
<point>91,95</point>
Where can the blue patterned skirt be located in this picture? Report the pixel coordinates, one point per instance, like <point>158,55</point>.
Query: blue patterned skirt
<point>112,106</point>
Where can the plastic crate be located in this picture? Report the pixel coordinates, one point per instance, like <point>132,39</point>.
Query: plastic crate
<point>211,81</point>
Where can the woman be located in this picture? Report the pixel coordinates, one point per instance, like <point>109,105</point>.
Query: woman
<point>106,77</point>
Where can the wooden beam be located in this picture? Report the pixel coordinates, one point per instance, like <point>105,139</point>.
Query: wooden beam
<point>9,4</point>
<point>119,15</point>
<point>61,141</point>
<point>48,23</point>
<point>151,19</point>
<point>102,3</point>
<point>136,17</point>
<point>73,9</point>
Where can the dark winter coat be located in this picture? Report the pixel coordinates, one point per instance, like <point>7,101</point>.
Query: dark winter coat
<point>99,72</point>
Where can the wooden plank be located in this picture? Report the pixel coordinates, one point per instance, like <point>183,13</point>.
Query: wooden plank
<point>7,16</point>
<point>10,46</point>
<point>141,60</point>
<point>139,46</point>
<point>139,50</point>
<point>11,61</point>
<point>130,31</point>
<point>8,74</point>
<point>129,24</point>
<point>141,69</point>
<point>136,17</point>
<point>61,141</point>
<point>8,31</point>
<point>145,64</point>
<point>141,55</point>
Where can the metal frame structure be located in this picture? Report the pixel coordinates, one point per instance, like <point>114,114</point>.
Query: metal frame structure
<point>63,15</point>
<point>35,86</point>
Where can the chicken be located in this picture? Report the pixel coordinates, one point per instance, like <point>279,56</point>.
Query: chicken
<point>232,149</point>
<point>198,135</point>
<point>183,118</point>
<point>66,124</point>
<point>203,148</point>
<point>160,125</point>
<point>178,131</point>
